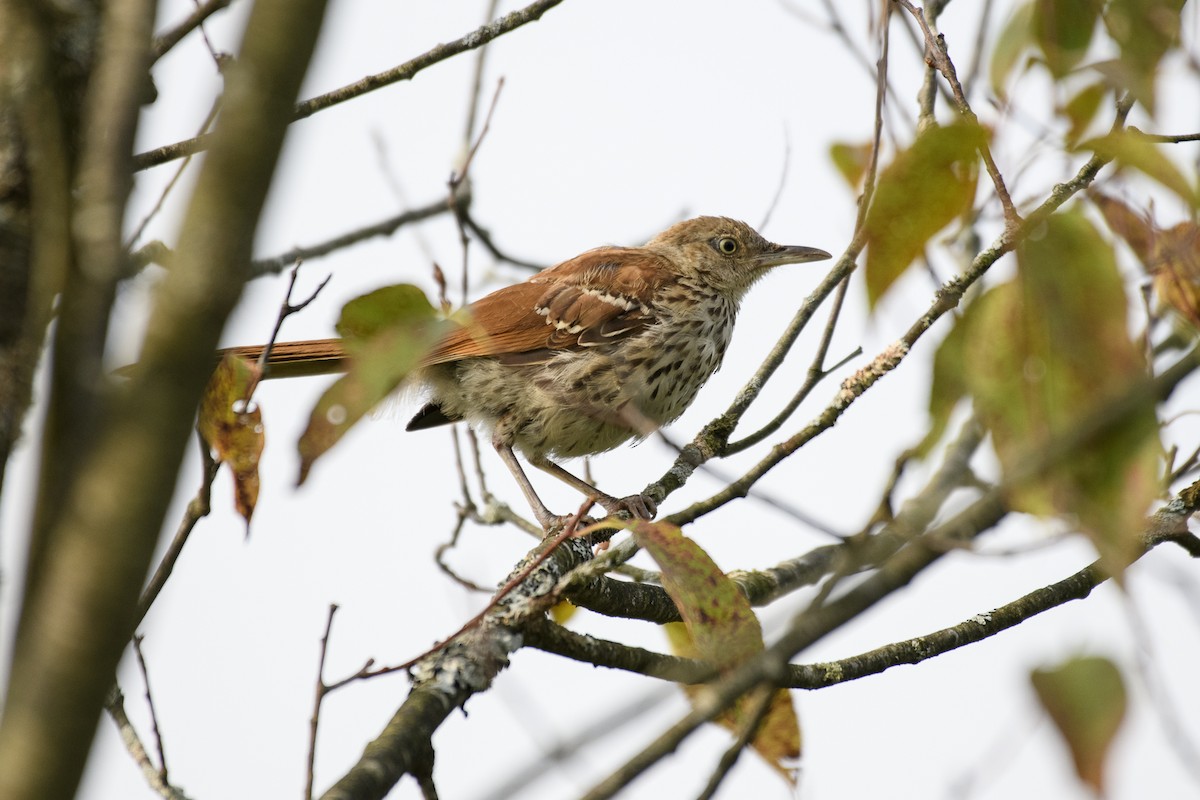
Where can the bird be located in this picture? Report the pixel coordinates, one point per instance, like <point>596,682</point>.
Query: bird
<point>588,354</point>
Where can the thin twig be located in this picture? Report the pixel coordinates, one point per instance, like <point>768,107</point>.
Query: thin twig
<point>385,227</point>
<point>403,72</point>
<point>936,52</point>
<point>568,531</point>
<point>162,197</point>
<point>767,498</point>
<point>460,179</point>
<point>169,38</point>
<point>322,690</point>
<point>783,180</point>
<point>978,50</point>
<point>1164,138</point>
<point>197,508</point>
<point>154,727</point>
<point>759,706</point>
<point>485,238</point>
<point>286,309</point>
<point>115,706</point>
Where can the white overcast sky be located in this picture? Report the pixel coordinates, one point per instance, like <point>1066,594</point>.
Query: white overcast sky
<point>616,119</point>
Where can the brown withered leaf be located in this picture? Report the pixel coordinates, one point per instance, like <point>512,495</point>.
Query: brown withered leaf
<point>1171,257</point>
<point>919,193</point>
<point>1138,230</point>
<point>720,627</point>
<point>1086,699</point>
<point>1176,271</point>
<point>233,429</point>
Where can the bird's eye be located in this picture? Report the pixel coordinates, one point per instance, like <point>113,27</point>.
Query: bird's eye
<point>727,245</point>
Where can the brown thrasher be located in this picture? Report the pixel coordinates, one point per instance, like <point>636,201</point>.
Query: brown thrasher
<point>587,354</point>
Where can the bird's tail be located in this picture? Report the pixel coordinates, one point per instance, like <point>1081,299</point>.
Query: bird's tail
<point>297,359</point>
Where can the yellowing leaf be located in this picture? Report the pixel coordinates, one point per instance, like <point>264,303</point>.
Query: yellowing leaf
<point>1063,30</point>
<point>777,740</point>
<point>1081,109</point>
<point>1015,39</point>
<point>233,429</point>
<point>720,627</point>
<point>1144,30</point>
<point>1133,150</point>
<point>919,193</point>
<point>386,333</point>
<point>1046,351</point>
<point>851,161</point>
<point>562,611</point>
<point>1086,699</point>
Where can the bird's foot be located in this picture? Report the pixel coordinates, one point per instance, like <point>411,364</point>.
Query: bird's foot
<point>636,506</point>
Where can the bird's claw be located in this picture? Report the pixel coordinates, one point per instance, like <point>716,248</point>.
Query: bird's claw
<point>637,506</point>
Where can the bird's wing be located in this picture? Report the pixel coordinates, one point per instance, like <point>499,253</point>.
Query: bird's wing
<point>595,298</point>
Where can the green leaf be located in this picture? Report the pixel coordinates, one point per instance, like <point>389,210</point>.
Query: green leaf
<point>1134,150</point>
<point>1086,699</point>
<point>1081,109</point>
<point>386,334</point>
<point>1013,41</point>
<point>1063,30</point>
<point>919,193</point>
<point>233,428</point>
<point>1144,30</point>
<point>1046,351</point>
<point>947,387</point>
<point>720,627</point>
<point>382,310</point>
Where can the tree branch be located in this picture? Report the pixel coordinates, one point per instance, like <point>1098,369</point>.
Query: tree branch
<point>78,618</point>
<point>406,71</point>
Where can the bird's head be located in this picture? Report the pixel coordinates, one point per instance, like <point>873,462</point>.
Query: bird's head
<point>727,254</point>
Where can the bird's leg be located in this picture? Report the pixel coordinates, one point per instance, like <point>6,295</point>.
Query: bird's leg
<point>545,517</point>
<point>637,506</point>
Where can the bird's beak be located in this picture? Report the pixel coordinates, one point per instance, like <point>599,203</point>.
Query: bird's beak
<point>790,254</point>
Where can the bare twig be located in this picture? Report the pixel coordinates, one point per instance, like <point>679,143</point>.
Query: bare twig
<point>568,531</point>
<point>315,720</point>
<point>162,197</point>
<point>154,727</point>
<point>757,712</point>
<point>168,39</point>
<point>197,508</point>
<point>783,179</point>
<point>938,55</point>
<point>460,179</point>
<point>286,309</point>
<point>485,238</point>
<point>403,72</point>
<point>386,227</point>
<point>115,706</point>
<point>1164,138</point>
